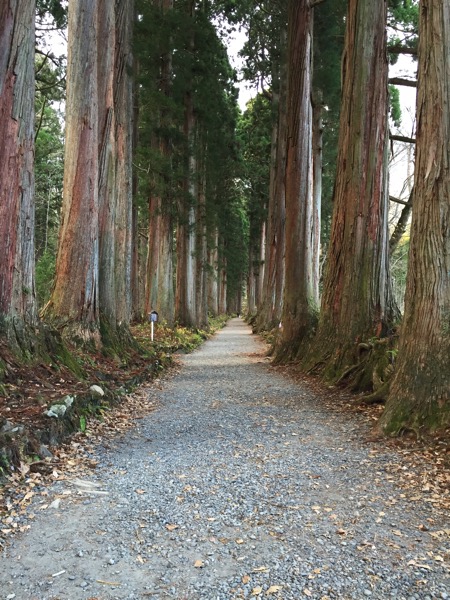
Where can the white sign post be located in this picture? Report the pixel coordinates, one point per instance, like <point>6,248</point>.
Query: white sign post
<point>153,318</point>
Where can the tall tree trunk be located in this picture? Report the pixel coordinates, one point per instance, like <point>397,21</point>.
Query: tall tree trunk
<point>223,308</point>
<point>123,132</point>
<point>357,303</point>
<point>17,291</point>
<point>202,251</point>
<point>74,299</point>
<point>137,293</point>
<point>419,397</point>
<point>273,286</point>
<point>251,283</point>
<point>317,147</point>
<point>213,276</point>
<point>262,265</point>
<point>185,298</point>
<point>280,196</point>
<point>107,192</point>
<point>186,238</point>
<point>160,289</point>
<point>299,310</point>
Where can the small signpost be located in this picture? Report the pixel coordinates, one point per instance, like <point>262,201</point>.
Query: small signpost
<point>153,318</point>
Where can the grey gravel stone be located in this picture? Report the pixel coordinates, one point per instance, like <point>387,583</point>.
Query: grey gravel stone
<point>251,474</point>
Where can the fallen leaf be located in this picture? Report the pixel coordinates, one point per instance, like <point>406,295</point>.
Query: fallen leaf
<point>257,591</point>
<point>341,531</point>
<point>199,564</point>
<point>140,491</point>
<point>260,570</point>
<point>239,541</point>
<point>245,579</point>
<point>274,589</point>
<point>307,592</point>
<point>27,496</point>
<point>171,527</point>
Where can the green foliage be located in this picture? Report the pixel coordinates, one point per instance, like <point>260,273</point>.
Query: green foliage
<point>254,135</point>
<point>403,25</point>
<point>45,273</point>
<point>49,172</point>
<point>54,9</point>
<point>395,111</point>
<point>329,31</point>
<point>182,58</point>
<point>83,423</point>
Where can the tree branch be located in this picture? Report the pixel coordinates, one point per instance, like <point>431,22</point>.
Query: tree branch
<point>402,81</point>
<point>399,49</point>
<point>402,138</point>
<point>398,201</point>
<point>402,223</point>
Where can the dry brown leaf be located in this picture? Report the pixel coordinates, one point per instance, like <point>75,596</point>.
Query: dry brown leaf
<point>256,591</point>
<point>245,579</point>
<point>274,589</point>
<point>260,570</point>
<point>199,564</point>
<point>170,527</point>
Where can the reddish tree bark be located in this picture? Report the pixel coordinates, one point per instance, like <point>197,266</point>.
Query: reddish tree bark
<point>17,294</point>
<point>93,268</point>
<point>357,303</point>
<point>74,299</point>
<point>419,397</point>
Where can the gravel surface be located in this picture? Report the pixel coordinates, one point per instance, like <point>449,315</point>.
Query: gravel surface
<point>240,485</point>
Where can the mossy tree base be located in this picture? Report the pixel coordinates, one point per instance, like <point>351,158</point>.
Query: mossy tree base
<point>419,399</point>
<point>360,367</point>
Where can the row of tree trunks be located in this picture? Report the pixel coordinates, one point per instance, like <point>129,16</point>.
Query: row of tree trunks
<point>201,289</point>
<point>18,310</point>
<point>357,303</point>
<point>94,262</point>
<point>160,293</point>
<point>419,397</point>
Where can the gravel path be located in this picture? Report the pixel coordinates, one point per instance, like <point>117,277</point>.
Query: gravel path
<point>240,485</point>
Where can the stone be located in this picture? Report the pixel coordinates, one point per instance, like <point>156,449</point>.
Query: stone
<point>44,452</point>
<point>96,390</point>
<point>56,410</point>
<point>68,400</point>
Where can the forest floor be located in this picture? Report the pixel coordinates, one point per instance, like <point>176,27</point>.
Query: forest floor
<point>226,479</point>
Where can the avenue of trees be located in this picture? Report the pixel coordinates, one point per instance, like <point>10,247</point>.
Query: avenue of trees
<point>154,192</point>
